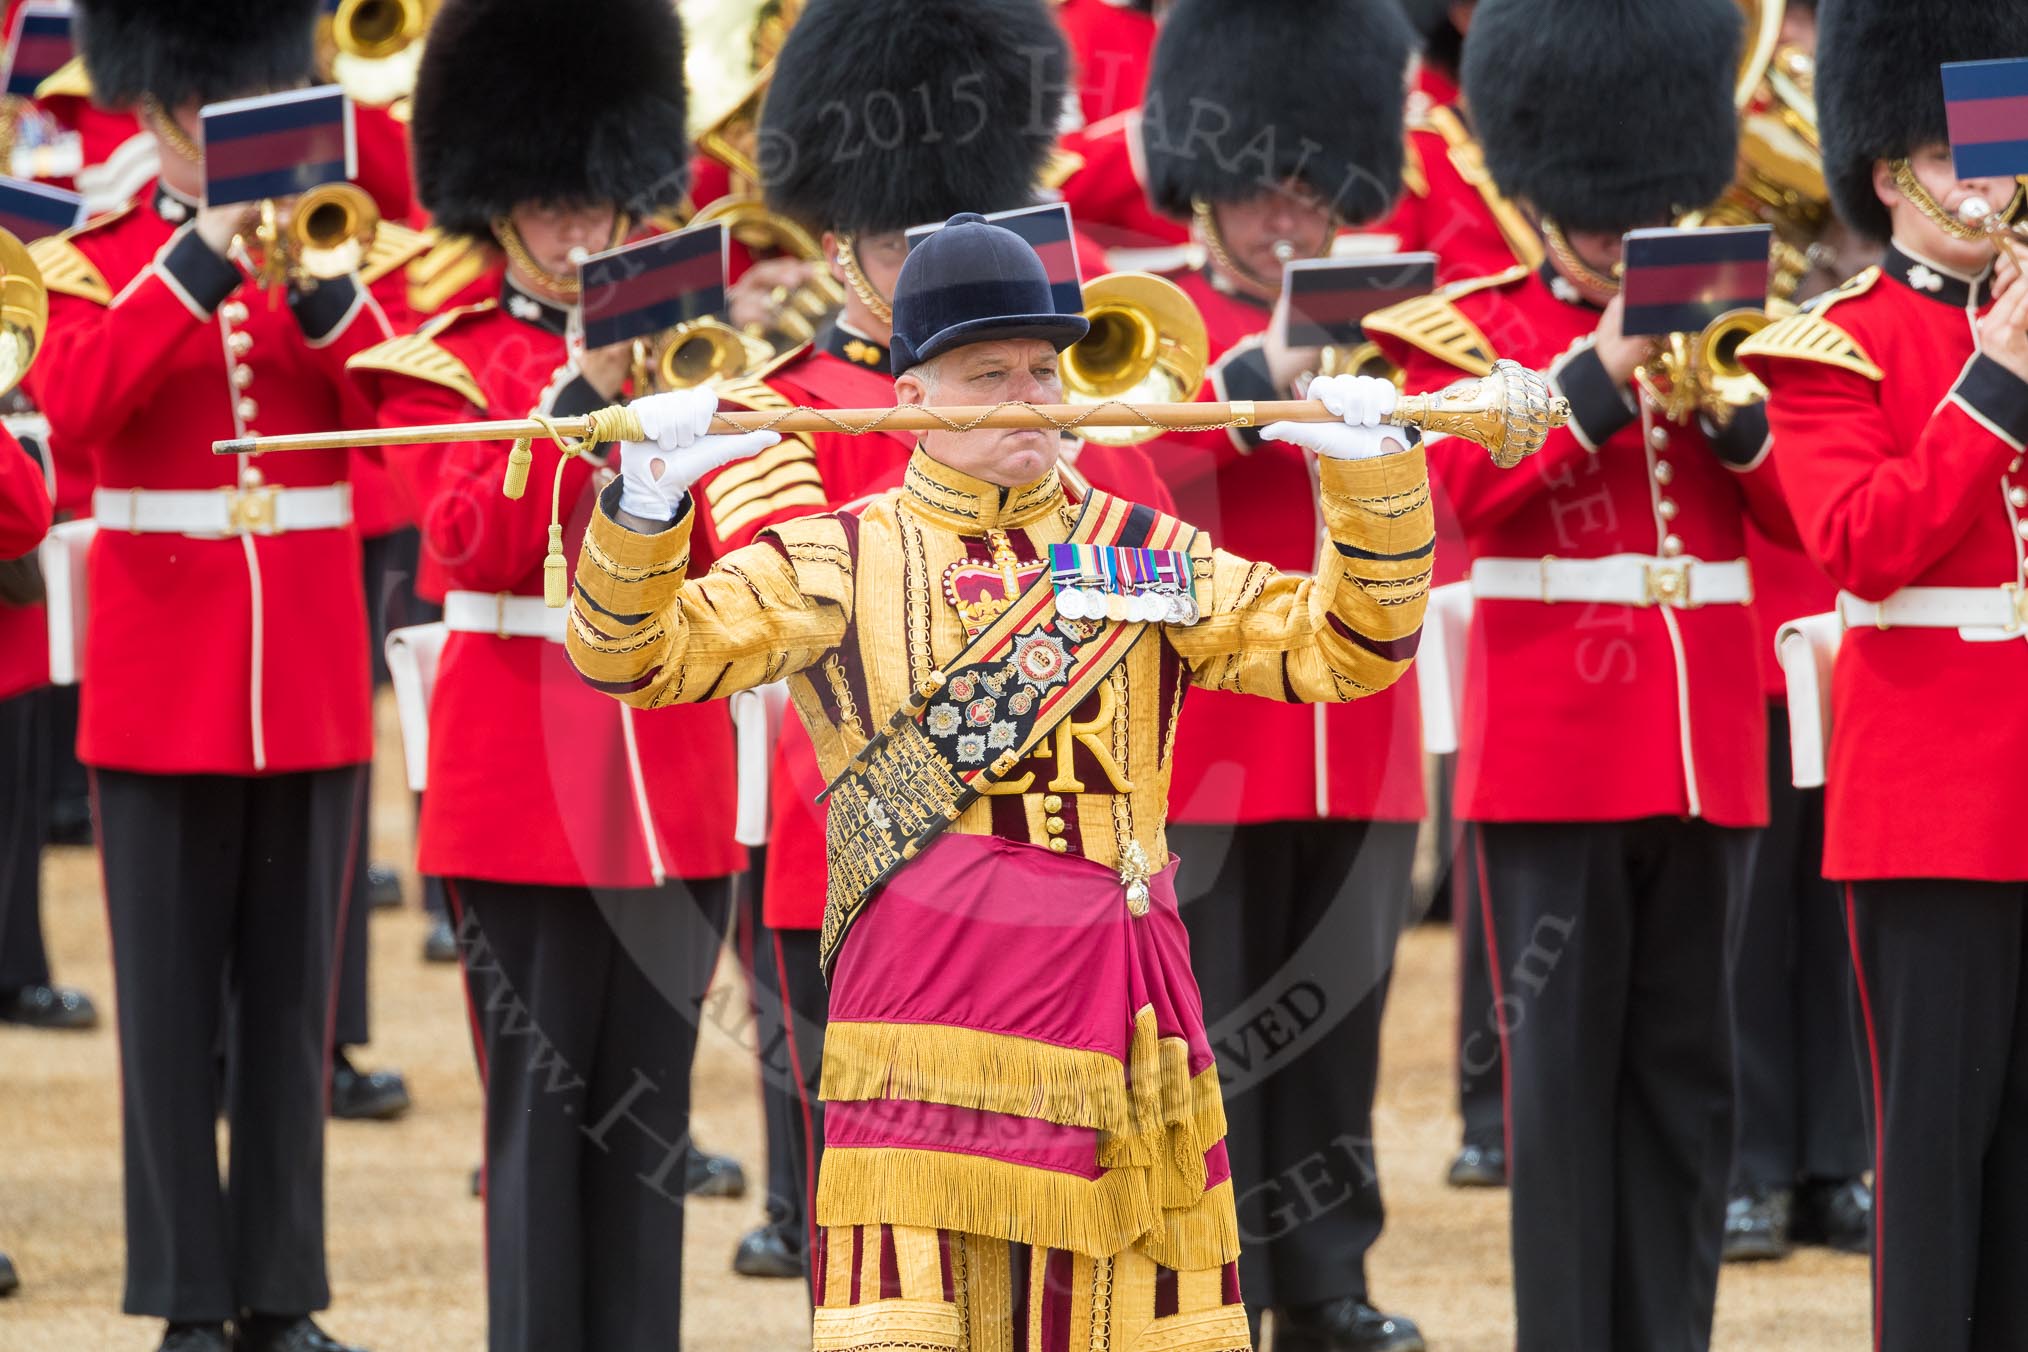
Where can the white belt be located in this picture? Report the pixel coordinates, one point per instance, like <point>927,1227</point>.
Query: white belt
<point>1989,612</point>
<point>1616,580</point>
<point>503,615</point>
<point>222,512</point>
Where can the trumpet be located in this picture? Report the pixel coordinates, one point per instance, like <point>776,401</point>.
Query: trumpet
<point>374,30</point>
<point>798,312</point>
<point>1702,373</point>
<point>327,235</point>
<point>699,352</point>
<point>1361,359</point>
<point>24,311</point>
<point>1147,344</point>
<point>1979,219</point>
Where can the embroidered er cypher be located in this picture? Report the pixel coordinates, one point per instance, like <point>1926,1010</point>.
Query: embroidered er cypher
<point>1016,1047</point>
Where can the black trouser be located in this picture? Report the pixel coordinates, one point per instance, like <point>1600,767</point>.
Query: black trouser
<point>389,565</point>
<point>24,825</point>
<point>1481,1066</point>
<point>1798,1067</point>
<point>1292,934</point>
<point>587,1007</point>
<point>789,1041</point>
<point>1608,955</point>
<point>1943,967</point>
<point>221,883</point>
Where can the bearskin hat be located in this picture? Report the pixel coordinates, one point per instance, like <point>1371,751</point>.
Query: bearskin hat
<point>1606,114</point>
<point>1244,97</point>
<point>178,51</point>
<point>885,114</point>
<point>1879,92</point>
<point>593,108</point>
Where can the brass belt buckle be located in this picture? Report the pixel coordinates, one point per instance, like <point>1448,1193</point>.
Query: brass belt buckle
<point>2017,606</point>
<point>251,511</point>
<point>1668,584</point>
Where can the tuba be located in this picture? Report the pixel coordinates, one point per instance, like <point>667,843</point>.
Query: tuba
<point>1147,344</point>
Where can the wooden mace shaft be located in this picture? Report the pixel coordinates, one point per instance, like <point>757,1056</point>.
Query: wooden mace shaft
<point>908,418</point>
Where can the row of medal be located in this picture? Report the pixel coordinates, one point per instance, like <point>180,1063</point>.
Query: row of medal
<point>1105,582</point>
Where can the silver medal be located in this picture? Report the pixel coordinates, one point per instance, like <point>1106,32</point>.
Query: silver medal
<point>1070,603</point>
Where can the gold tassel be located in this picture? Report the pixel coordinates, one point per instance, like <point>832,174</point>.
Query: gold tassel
<point>555,570</point>
<point>518,461</point>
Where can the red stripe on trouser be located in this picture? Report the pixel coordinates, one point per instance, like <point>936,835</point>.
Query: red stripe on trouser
<point>1879,1105</point>
<point>1499,999</point>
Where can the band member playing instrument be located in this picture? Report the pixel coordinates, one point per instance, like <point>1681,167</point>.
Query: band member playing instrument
<point>225,701</point>
<point>1899,403</point>
<point>1023,1118</point>
<point>1295,825</point>
<point>586,847</point>
<point>1612,753</point>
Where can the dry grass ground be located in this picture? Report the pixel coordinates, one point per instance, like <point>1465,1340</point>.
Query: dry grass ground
<point>405,1245</point>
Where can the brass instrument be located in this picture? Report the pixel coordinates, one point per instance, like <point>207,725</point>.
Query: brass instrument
<point>373,30</point>
<point>1981,218</point>
<point>329,230</point>
<point>1361,359</point>
<point>729,57</point>
<point>701,352</point>
<point>1702,373</point>
<point>1147,344</point>
<point>24,311</point>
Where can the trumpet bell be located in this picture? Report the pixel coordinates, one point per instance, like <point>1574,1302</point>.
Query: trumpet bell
<point>1147,344</point>
<point>705,352</point>
<point>331,229</point>
<point>24,311</point>
<point>374,30</point>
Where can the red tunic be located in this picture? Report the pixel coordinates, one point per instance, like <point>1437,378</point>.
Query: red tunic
<point>24,520</point>
<point>534,777</point>
<point>1905,480</point>
<point>237,655</point>
<point>1577,712</point>
<point>1111,44</point>
<point>1238,758</point>
<point>1107,193</point>
<point>1447,205</point>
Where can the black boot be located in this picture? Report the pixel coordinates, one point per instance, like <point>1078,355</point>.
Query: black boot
<point>769,1251</point>
<point>195,1338</point>
<point>1478,1166</point>
<point>372,1096</point>
<point>1344,1325</point>
<point>708,1175</point>
<point>287,1333</point>
<point>1834,1212</point>
<point>1757,1226</point>
<point>49,1007</point>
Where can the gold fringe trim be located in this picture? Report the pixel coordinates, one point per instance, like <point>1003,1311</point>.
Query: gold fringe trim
<point>968,1068</point>
<point>1028,1205</point>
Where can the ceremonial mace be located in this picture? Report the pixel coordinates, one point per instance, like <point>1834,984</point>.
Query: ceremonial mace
<point>1509,411</point>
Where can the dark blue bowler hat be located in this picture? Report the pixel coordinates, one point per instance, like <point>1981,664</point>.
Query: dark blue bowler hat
<point>974,282</point>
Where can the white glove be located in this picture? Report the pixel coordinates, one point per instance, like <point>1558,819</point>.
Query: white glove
<point>1362,401</point>
<point>658,472</point>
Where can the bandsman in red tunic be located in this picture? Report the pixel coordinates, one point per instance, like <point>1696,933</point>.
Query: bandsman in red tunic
<point>225,704</point>
<point>587,848</point>
<point>1613,756</point>
<point>1899,404</point>
<point>1295,824</point>
<point>858,187</point>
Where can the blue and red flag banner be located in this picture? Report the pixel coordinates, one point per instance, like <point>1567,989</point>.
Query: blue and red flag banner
<point>642,289</point>
<point>1677,281</point>
<point>1047,230</point>
<point>276,145</point>
<point>1986,109</point>
<point>1325,298</point>
<point>39,46</point>
<point>30,210</point>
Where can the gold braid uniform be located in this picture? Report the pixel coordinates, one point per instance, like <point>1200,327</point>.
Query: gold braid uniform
<point>861,612</point>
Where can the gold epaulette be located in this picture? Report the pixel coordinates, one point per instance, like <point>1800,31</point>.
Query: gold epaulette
<point>1413,177</point>
<point>67,80</point>
<point>1435,324</point>
<point>445,268</point>
<point>419,356</point>
<point>1808,336</point>
<point>1852,286</point>
<point>394,246</point>
<point>65,269</point>
<point>1058,168</point>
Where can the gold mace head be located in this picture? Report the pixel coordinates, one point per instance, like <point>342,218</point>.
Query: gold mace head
<point>1509,411</point>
